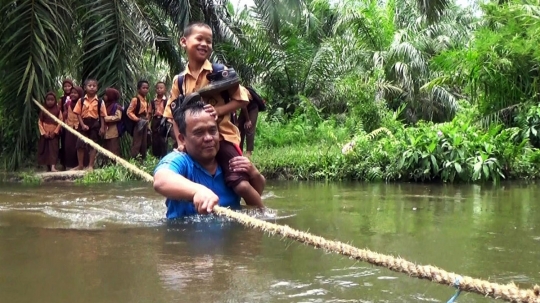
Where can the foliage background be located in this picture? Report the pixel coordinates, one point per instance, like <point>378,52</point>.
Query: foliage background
<point>427,90</point>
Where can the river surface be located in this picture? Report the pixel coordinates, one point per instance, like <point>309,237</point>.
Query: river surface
<point>65,243</point>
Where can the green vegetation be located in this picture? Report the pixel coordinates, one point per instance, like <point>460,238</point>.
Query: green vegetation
<point>426,93</point>
<point>116,172</point>
<point>455,151</point>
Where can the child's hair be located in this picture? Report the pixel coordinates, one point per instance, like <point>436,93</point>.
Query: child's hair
<point>50,93</point>
<point>113,95</point>
<point>161,82</point>
<point>140,83</point>
<point>88,80</point>
<point>69,81</point>
<point>189,28</point>
<point>80,91</point>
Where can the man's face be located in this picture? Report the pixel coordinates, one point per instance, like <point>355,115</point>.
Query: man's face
<point>202,137</point>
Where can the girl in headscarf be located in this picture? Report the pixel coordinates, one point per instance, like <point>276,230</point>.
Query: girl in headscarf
<point>49,130</point>
<point>70,142</point>
<point>67,85</point>
<point>114,116</point>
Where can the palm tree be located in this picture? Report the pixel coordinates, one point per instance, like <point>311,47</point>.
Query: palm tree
<point>44,41</point>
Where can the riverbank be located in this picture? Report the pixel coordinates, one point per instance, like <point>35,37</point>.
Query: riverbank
<point>44,177</point>
<point>308,147</point>
<point>369,160</point>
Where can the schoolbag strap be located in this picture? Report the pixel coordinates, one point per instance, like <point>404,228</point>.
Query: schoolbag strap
<point>180,82</point>
<point>138,106</point>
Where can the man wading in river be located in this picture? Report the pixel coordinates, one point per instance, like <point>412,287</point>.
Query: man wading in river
<point>192,181</point>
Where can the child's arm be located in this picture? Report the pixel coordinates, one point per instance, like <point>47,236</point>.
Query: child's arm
<point>65,111</point>
<point>239,99</point>
<point>41,129</point>
<point>117,117</point>
<point>103,113</point>
<point>59,127</point>
<point>149,111</point>
<point>131,110</point>
<point>78,111</point>
<point>244,113</point>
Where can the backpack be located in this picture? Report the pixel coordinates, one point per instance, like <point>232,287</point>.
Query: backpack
<point>261,103</point>
<point>129,124</point>
<point>163,128</point>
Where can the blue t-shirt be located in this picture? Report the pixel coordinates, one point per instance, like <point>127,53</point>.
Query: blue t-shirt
<point>183,164</point>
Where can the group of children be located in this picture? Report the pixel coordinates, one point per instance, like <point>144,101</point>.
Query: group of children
<point>94,119</point>
<point>98,120</point>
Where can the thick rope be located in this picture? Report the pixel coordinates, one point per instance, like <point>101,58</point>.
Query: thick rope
<point>509,292</point>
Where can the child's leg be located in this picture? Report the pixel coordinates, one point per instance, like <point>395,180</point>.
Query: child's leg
<point>239,182</point>
<point>93,134</point>
<point>241,122</point>
<point>93,154</point>
<point>80,146</point>
<point>250,195</point>
<point>250,134</point>
<point>80,159</point>
<point>144,143</point>
<point>137,141</point>
<point>54,150</point>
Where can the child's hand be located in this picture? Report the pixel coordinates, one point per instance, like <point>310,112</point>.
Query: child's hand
<point>101,131</point>
<point>211,110</point>
<point>248,125</point>
<point>84,127</point>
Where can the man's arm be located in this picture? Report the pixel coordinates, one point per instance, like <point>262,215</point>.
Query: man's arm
<point>170,181</point>
<point>175,186</point>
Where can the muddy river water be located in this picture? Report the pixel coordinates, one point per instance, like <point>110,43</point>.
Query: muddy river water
<point>65,243</point>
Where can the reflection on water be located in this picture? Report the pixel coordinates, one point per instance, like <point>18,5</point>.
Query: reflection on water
<point>109,243</point>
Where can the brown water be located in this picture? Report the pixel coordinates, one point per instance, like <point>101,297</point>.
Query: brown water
<point>64,243</point>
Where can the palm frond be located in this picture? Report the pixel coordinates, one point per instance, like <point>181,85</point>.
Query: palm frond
<point>432,9</point>
<point>114,38</point>
<point>32,36</point>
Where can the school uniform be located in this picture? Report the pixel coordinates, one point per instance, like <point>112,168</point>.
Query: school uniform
<point>159,143</point>
<point>112,138</point>
<point>140,139</point>
<point>48,148</point>
<point>69,146</point>
<point>90,114</point>
<point>62,154</point>
<point>229,133</point>
<point>248,136</point>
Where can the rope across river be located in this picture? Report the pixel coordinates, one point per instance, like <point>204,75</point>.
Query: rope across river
<point>509,292</point>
